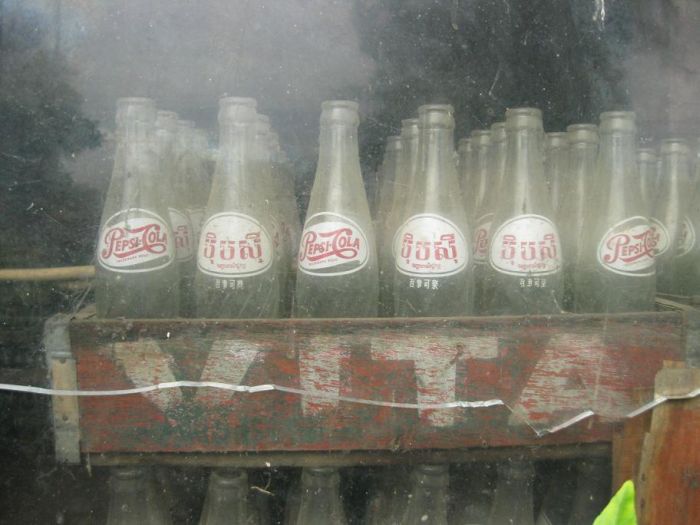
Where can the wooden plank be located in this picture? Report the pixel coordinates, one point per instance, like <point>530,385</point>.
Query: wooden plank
<point>546,369</point>
<point>627,444</point>
<point>669,480</point>
<point>346,459</point>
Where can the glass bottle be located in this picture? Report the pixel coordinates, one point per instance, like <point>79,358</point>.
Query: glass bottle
<point>556,165</point>
<point>484,213</point>
<point>686,265</point>
<point>387,190</point>
<point>136,275</point>
<point>615,269</point>
<point>583,154</point>
<point>472,487</point>
<point>284,199</point>
<point>227,499</point>
<point>175,140</point>
<point>428,499</point>
<point>320,502</point>
<point>432,247</point>
<point>669,208</point>
<point>133,498</point>
<point>481,157</point>
<point>646,163</point>
<point>465,174</point>
<point>525,252</point>
<point>337,262</point>
<point>512,502</point>
<point>236,271</point>
<point>405,180</point>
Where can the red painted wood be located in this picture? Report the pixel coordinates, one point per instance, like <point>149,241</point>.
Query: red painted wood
<point>547,369</point>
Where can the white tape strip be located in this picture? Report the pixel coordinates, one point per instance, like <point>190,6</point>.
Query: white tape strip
<point>244,389</point>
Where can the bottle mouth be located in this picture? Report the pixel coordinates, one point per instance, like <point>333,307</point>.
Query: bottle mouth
<point>523,118</point>
<point>340,112</point>
<point>481,137</point>
<point>238,101</point>
<point>556,139</point>
<point>229,477</point>
<point>237,109</point>
<point>436,116</point>
<point>646,155</point>
<point>578,133</point>
<point>498,132</point>
<point>320,475</point>
<point>674,145</point>
<point>135,101</point>
<point>464,144</point>
<point>618,121</point>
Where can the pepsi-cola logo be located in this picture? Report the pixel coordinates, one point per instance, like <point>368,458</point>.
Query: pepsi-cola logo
<point>332,244</point>
<point>660,237</point>
<point>430,245</point>
<point>234,244</point>
<point>135,240</point>
<point>628,248</point>
<point>481,239</point>
<point>686,237</point>
<point>182,231</point>
<point>527,245</point>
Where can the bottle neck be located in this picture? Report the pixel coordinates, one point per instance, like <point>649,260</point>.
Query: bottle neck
<point>524,178</point>
<point>338,150</point>
<point>236,155</point>
<point>436,174</point>
<point>617,166</point>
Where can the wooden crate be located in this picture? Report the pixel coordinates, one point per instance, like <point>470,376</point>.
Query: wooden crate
<point>348,391</point>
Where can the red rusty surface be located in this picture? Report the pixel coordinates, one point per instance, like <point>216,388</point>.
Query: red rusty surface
<point>545,369</point>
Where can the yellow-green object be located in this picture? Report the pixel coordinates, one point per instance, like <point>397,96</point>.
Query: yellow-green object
<point>620,510</point>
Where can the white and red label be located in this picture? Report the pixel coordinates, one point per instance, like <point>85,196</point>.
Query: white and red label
<point>135,240</point>
<point>628,248</point>
<point>234,244</point>
<point>661,238</point>
<point>332,244</point>
<point>481,239</point>
<point>686,237</point>
<point>182,231</point>
<point>526,245</point>
<point>430,245</point>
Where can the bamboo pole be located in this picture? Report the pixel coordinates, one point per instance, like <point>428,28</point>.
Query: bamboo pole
<point>67,273</point>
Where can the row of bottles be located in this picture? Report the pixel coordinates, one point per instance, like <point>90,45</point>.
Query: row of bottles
<point>424,494</point>
<point>574,221</point>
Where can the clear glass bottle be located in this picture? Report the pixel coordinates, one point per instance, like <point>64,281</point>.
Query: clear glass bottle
<point>669,208</point>
<point>136,274</point>
<point>236,265</point>
<point>227,499</point>
<point>513,503</point>
<point>432,248</point>
<point>428,499</point>
<point>525,252</point>
<point>465,173</point>
<point>615,270</point>
<point>686,265</point>
<point>320,502</point>
<point>133,498</point>
<point>180,162</point>
<point>646,163</point>
<point>284,199</point>
<point>337,263</point>
<point>484,217</point>
<point>390,172</point>
<point>481,168</point>
<point>583,155</point>
<point>556,166</point>
<point>405,180</point>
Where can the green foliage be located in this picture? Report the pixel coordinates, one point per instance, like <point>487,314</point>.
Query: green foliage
<point>45,220</point>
